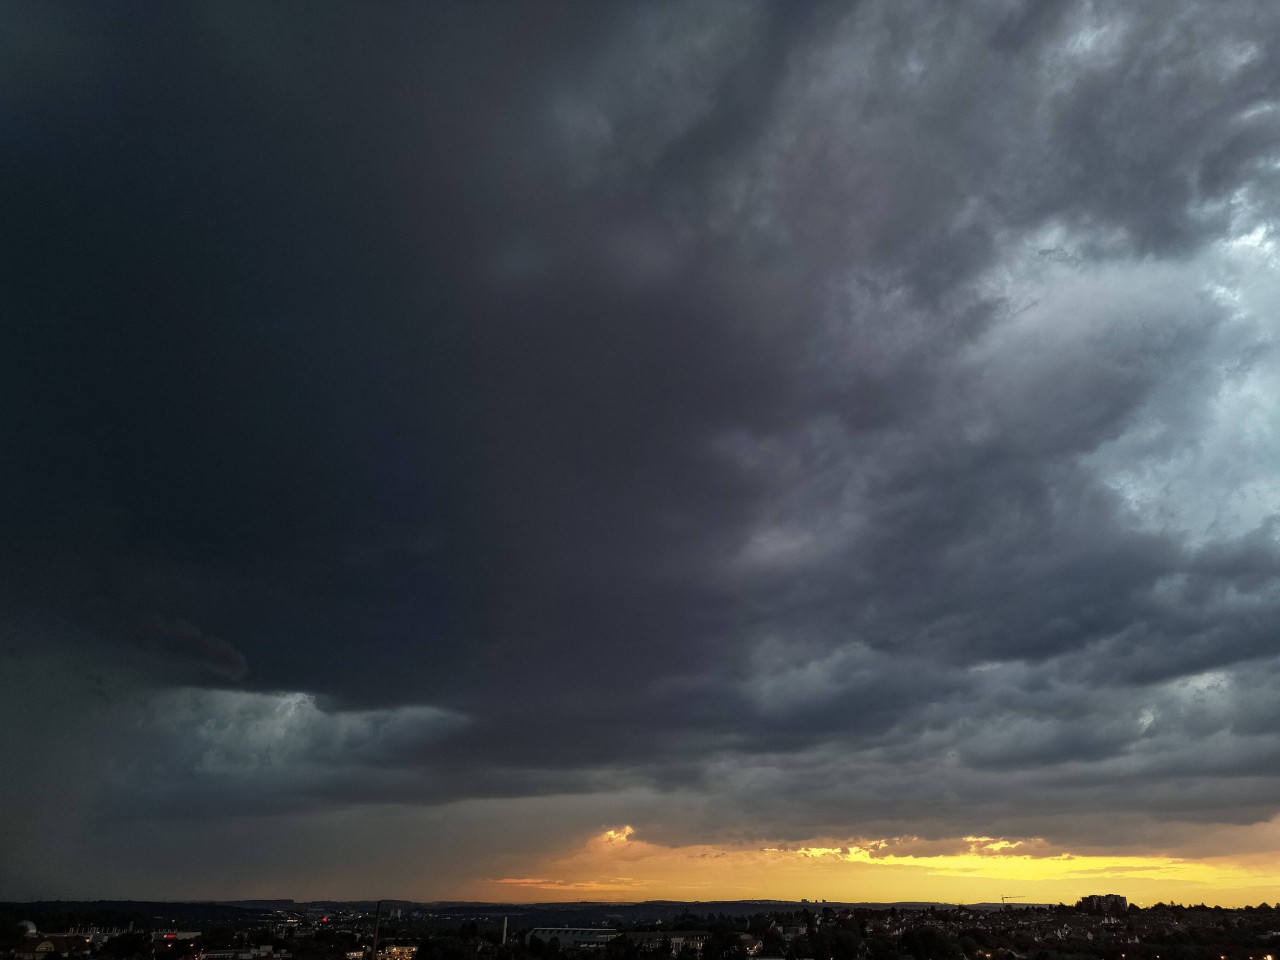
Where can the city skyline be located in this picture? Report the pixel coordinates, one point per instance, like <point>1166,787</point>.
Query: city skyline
<point>723,450</point>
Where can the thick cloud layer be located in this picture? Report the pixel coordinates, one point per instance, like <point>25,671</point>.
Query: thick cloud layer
<point>777,422</point>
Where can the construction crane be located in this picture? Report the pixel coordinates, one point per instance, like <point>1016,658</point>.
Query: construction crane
<point>1015,896</point>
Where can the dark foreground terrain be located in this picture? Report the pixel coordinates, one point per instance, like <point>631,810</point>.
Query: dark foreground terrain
<point>653,930</point>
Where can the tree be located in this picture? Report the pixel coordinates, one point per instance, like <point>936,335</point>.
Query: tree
<point>126,946</point>
<point>929,943</point>
<point>723,944</point>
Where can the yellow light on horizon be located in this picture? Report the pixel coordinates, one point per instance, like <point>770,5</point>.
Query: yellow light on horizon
<point>618,863</point>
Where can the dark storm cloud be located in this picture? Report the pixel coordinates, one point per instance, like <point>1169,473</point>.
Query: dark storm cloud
<point>810,412</point>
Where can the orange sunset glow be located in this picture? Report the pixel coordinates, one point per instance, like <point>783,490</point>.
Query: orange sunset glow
<point>616,864</point>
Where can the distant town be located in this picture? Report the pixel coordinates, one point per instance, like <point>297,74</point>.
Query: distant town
<point>1102,926</point>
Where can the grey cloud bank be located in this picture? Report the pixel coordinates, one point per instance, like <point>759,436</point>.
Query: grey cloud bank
<point>738,420</point>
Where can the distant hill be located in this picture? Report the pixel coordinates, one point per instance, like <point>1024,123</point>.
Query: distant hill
<point>261,904</point>
<point>50,914</point>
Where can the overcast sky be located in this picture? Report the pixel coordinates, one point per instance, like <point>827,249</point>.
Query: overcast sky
<point>520,451</point>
